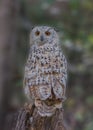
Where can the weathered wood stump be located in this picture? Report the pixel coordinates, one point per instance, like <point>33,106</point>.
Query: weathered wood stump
<point>29,119</point>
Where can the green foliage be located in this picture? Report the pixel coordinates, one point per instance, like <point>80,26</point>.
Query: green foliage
<point>89,126</point>
<point>74,4</point>
<point>89,100</point>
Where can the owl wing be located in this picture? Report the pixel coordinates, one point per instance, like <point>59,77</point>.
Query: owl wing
<point>26,83</point>
<point>28,75</point>
<point>36,85</point>
<point>60,78</point>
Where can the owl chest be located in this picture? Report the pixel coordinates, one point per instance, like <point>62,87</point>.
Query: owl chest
<point>48,62</point>
<point>44,72</point>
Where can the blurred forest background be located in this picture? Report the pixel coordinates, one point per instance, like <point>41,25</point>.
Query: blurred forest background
<point>74,20</point>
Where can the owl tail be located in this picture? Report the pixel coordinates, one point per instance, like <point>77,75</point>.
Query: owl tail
<point>45,110</point>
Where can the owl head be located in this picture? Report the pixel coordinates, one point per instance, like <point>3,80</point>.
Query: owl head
<point>41,35</point>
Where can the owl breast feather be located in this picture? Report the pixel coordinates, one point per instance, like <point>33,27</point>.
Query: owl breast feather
<point>46,78</point>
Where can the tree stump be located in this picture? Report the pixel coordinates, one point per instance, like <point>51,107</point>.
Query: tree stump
<point>29,119</point>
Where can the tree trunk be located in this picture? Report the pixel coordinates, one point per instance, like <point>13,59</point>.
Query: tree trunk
<point>28,119</point>
<point>8,19</point>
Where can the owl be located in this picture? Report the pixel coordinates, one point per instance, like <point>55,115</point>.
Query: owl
<point>45,71</point>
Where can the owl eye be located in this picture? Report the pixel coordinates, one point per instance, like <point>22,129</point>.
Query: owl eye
<point>37,33</point>
<point>47,33</point>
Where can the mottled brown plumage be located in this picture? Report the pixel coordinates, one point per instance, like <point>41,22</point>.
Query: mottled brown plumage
<point>45,71</point>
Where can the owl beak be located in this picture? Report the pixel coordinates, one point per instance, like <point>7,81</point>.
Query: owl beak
<point>42,38</point>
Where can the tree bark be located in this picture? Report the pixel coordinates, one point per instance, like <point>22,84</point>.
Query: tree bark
<point>8,31</point>
<point>28,119</point>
